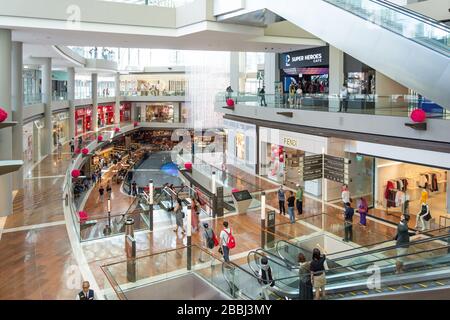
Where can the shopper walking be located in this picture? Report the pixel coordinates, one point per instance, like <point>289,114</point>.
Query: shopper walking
<point>109,190</point>
<point>226,241</point>
<point>209,241</point>
<point>72,145</point>
<point>291,206</point>
<point>101,192</point>
<point>317,269</point>
<point>348,222</point>
<point>299,199</point>
<point>94,178</point>
<point>262,97</point>
<point>343,95</point>
<point>402,242</point>
<point>229,92</point>
<point>195,215</point>
<point>345,194</point>
<point>80,142</point>
<point>305,286</point>
<point>134,189</point>
<point>362,210</point>
<point>179,216</point>
<point>86,293</point>
<point>265,278</point>
<point>281,200</point>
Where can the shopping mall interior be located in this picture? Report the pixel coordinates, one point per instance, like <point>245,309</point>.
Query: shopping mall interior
<point>224,150</point>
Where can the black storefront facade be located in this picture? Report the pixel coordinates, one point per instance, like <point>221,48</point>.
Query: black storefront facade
<point>307,69</point>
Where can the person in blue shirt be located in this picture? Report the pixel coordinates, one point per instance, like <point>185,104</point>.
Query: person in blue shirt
<point>281,200</point>
<point>348,222</point>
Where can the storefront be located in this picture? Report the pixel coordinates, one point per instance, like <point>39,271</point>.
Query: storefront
<point>125,112</point>
<point>60,123</point>
<point>359,77</point>
<point>307,69</point>
<point>158,84</point>
<point>241,145</point>
<point>398,182</point>
<point>28,148</point>
<point>160,112</point>
<point>105,115</point>
<point>83,118</point>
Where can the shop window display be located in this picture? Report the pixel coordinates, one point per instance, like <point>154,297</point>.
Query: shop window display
<point>405,188</point>
<point>240,146</point>
<point>160,113</point>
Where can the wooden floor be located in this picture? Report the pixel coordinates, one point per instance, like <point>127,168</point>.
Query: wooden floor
<point>36,256</point>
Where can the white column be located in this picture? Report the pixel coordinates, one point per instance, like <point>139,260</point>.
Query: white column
<point>133,112</point>
<point>336,76</point>
<point>71,98</point>
<point>117,104</point>
<point>336,72</point>
<point>17,110</point>
<point>234,71</point>
<point>47,100</point>
<point>94,79</point>
<point>5,134</point>
<point>271,71</point>
<point>143,113</point>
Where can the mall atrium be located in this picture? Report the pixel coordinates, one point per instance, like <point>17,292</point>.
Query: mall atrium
<point>224,150</point>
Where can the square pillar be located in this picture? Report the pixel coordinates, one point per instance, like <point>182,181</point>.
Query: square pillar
<point>94,84</point>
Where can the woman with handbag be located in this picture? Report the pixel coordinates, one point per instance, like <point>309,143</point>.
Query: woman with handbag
<point>423,217</point>
<point>179,216</point>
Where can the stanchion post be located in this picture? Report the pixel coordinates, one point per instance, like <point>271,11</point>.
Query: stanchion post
<point>189,237</point>
<point>151,188</point>
<point>263,219</point>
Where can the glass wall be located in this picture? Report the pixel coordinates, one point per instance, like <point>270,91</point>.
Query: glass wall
<point>106,86</point>
<point>362,177</point>
<point>83,86</point>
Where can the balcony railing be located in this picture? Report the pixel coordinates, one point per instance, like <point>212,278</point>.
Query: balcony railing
<point>30,99</point>
<point>132,93</point>
<point>394,105</point>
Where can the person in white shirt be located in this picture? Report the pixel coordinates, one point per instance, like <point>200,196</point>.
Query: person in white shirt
<point>343,95</point>
<point>223,245</point>
<point>86,293</point>
<point>345,195</point>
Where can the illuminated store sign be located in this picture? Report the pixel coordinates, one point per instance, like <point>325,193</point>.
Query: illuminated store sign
<point>305,58</point>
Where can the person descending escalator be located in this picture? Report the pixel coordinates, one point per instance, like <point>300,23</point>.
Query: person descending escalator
<point>402,242</point>
<point>317,268</point>
<point>305,286</point>
<point>265,278</point>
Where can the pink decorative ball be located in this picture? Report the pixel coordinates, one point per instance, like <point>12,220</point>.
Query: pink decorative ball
<point>418,115</point>
<point>77,151</point>
<point>85,151</point>
<point>100,138</point>
<point>234,190</point>
<point>83,215</point>
<point>76,173</point>
<point>188,166</point>
<point>117,129</point>
<point>136,123</point>
<point>230,102</point>
<point>3,115</point>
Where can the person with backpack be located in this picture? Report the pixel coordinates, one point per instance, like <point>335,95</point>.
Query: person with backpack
<point>265,278</point>
<point>348,222</point>
<point>227,242</point>
<point>209,240</point>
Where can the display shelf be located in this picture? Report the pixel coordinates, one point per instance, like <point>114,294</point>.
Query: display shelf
<point>8,166</point>
<point>6,124</point>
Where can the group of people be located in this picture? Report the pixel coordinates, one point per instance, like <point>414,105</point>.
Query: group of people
<point>293,200</point>
<point>311,274</point>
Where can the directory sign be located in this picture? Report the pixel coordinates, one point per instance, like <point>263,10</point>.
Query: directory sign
<point>336,169</point>
<point>310,167</point>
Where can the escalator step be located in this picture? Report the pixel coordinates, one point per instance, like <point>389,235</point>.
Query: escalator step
<point>365,292</point>
<point>341,295</point>
<point>378,290</point>
<point>407,287</point>
<point>353,293</point>
<point>423,285</point>
<point>440,283</point>
<point>392,289</point>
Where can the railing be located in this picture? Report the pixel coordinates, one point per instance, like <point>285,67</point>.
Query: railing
<point>229,278</point>
<point>150,93</point>
<point>395,105</point>
<point>155,3</point>
<point>61,96</point>
<point>29,99</point>
<point>406,23</point>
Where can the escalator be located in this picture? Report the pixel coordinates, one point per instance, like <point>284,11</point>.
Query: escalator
<point>408,47</point>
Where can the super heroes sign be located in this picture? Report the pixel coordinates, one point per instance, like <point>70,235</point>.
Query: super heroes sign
<point>305,58</point>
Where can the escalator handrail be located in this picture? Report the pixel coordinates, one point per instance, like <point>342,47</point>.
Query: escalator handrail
<point>420,241</point>
<point>373,262</point>
<point>413,14</point>
<point>386,241</point>
<point>286,263</point>
<point>289,243</point>
<point>402,11</point>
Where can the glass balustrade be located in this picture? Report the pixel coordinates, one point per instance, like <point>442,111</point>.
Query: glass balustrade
<point>407,23</point>
<point>394,105</point>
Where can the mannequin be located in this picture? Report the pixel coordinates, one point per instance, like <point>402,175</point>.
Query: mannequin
<point>405,205</point>
<point>423,217</point>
